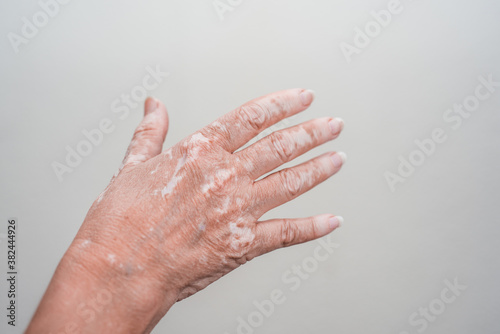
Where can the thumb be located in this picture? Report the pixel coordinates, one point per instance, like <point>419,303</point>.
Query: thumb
<point>150,134</point>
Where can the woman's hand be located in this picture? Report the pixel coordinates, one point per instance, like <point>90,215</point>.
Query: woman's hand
<point>170,223</point>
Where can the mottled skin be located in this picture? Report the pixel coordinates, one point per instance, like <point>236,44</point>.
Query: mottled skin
<point>171,223</point>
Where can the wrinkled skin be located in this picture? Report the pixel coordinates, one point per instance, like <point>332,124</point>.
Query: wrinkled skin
<point>170,223</point>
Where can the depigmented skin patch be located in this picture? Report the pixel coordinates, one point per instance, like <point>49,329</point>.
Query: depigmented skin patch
<point>175,178</point>
<point>241,236</point>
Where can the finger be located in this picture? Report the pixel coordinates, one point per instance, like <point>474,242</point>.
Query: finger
<point>150,134</point>
<point>287,184</point>
<point>278,233</point>
<point>285,145</point>
<point>236,128</point>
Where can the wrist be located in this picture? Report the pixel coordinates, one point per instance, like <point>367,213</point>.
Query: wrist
<point>88,294</point>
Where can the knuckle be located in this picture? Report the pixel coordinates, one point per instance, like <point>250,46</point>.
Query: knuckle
<point>198,144</point>
<point>241,242</point>
<point>281,145</point>
<point>244,258</point>
<point>289,233</point>
<point>254,115</point>
<point>312,227</point>
<point>144,129</point>
<point>216,132</point>
<point>292,182</point>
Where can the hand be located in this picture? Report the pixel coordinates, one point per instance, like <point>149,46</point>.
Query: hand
<point>171,223</point>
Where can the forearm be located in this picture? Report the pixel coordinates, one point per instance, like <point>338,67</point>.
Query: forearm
<point>85,296</point>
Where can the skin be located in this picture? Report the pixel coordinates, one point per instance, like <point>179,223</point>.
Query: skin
<point>170,223</point>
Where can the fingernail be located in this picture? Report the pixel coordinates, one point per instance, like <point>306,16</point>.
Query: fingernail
<point>336,125</point>
<point>328,224</point>
<point>336,221</point>
<point>151,105</point>
<point>339,159</point>
<point>307,97</point>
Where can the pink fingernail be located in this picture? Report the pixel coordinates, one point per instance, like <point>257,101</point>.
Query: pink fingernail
<point>327,224</point>
<point>336,125</point>
<point>307,97</point>
<point>151,105</point>
<point>339,159</point>
<point>335,222</point>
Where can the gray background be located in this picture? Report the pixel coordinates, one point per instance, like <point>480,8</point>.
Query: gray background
<point>396,248</point>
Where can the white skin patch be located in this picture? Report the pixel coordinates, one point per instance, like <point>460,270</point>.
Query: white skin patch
<point>199,138</point>
<point>221,128</point>
<point>223,174</point>
<point>241,236</point>
<point>175,178</point>
<point>111,258</point>
<point>84,244</point>
<point>194,142</point>
<point>218,125</point>
<point>168,153</point>
<point>136,158</point>
<point>132,145</point>
<point>301,138</point>
<point>206,187</point>
<point>225,206</point>
<point>220,177</point>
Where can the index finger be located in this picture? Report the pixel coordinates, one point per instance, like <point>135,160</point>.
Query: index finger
<point>236,128</point>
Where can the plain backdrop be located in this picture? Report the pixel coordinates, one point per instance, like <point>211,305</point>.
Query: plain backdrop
<point>396,248</point>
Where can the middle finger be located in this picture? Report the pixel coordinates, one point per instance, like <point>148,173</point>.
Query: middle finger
<point>285,145</point>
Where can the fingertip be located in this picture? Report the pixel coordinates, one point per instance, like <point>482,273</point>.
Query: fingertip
<point>342,122</point>
<point>150,105</point>
<point>336,126</point>
<point>153,104</point>
<point>307,97</point>
<point>343,156</point>
<point>339,220</point>
<point>338,159</point>
<point>326,224</point>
